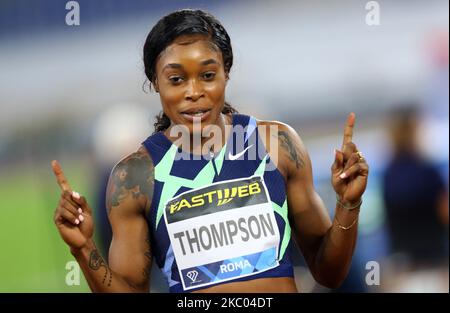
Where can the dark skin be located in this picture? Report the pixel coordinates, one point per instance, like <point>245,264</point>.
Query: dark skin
<point>190,74</point>
<point>129,194</point>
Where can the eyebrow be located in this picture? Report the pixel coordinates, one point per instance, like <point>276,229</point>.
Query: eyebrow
<point>172,65</point>
<point>178,66</point>
<point>209,61</point>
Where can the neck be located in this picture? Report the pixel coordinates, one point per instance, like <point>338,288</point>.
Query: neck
<point>203,139</point>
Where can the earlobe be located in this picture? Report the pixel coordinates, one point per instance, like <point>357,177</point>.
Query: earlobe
<point>155,85</point>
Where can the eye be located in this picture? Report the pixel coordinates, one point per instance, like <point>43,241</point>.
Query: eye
<point>208,75</point>
<point>176,80</point>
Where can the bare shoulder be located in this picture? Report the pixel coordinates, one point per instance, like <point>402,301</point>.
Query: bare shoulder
<point>280,130</point>
<point>291,151</point>
<point>131,182</point>
<point>269,123</point>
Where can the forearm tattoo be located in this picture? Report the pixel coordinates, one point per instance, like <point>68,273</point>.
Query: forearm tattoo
<point>96,262</point>
<point>289,146</point>
<point>131,177</point>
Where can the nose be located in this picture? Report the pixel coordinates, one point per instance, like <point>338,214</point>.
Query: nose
<point>194,90</point>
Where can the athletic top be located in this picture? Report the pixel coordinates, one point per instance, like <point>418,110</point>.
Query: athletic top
<point>219,219</point>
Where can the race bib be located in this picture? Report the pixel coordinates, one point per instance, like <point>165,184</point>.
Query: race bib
<point>223,231</point>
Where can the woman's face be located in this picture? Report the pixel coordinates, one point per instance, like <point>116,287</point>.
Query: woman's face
<point>191,80</point>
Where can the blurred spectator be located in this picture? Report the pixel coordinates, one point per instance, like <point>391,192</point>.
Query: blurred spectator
<point>416,201</point>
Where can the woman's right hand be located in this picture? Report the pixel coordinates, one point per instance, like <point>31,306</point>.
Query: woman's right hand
<point>73,215</point>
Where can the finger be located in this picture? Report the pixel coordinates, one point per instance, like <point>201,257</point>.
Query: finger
<point>68,216</point>
<point>354,158</point>
<point>71,205</point>
<point>68,196</point>
<point>349,148</point>
<point>60,178</point>
<point>56,215</point>
<point>348,130</point>
<point>338,164</point>
<point>73,208</point>
<point>81,201</point>
<point>356,169</point>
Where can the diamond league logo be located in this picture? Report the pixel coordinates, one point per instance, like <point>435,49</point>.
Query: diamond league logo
<point>192,275</point>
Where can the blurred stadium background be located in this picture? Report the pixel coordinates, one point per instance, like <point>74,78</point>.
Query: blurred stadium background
<point>75,93</point>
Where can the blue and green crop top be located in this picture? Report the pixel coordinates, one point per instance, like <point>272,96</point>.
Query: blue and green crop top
<point>222,219</point>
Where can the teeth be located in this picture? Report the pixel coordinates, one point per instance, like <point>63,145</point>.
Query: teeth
<point>197,114</point>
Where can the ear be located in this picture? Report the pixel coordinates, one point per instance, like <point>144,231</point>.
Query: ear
<point>155,85</point>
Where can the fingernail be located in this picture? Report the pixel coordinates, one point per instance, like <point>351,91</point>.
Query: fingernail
<point>76,195</point>
<point>80,210</point>
<point>343,175</point>
<point>81,217</point>
<point>77,221</point>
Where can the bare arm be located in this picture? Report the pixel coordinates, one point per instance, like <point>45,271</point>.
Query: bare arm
<point>327,248</point>
<point>128,197</point>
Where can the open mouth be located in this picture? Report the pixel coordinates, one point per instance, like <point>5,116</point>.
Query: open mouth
<point>197,114</point>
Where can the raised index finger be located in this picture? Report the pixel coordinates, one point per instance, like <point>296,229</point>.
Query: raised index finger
<point>348,130</point>
<point>60,178</point>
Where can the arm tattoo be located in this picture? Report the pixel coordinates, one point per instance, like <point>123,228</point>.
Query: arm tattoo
<point>148,256</point>
<point>290,147</point>
<point>145,270</point>
<point>131,177</point>
<point>96,261</point>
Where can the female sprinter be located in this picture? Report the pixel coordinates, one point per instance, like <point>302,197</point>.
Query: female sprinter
<point>219,217</point>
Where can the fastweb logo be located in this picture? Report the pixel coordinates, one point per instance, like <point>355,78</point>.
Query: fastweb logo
<point>217,195</point>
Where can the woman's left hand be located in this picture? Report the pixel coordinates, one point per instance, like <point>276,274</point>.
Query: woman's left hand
<point>350,170</point>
